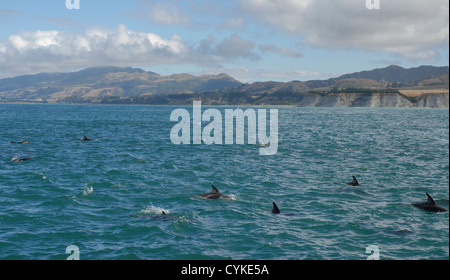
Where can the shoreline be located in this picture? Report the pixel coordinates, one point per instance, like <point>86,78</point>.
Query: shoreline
<point>403,98</point>
<point>220,106</point>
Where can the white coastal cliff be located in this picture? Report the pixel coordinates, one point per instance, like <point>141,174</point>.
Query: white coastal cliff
<point>395,100</point>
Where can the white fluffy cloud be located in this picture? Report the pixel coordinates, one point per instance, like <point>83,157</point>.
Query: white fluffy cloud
<point>39,51</point>
<point>55,51</point>
<point>408,28</point>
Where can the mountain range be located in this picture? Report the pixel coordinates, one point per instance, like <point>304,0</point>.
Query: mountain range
<point>94,84</point>
<point>118,85</point>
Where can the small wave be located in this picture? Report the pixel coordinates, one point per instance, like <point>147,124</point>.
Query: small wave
<point>168,166</point>
<point>230,197</point>
<point>136,158</point>
<point>118,185</point>
<point>42,176</point>
<point>270,184</point>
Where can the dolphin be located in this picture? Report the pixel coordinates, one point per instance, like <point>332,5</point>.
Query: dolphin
<point>276,210</point>
<point>85,138</point>
<point>21,142</point>
<point>17,159</point>
<point>430,205</point>
<point>163,216</point>
<point>354,182</point>
<point>215,194</point>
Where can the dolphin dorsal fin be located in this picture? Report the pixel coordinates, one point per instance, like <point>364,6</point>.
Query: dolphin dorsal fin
<point>215,190</point>
<point>275,208</point>
<point>354,180</point>
<point>430,199</point>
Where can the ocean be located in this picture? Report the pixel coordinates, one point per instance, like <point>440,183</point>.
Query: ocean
<point>102,199</point>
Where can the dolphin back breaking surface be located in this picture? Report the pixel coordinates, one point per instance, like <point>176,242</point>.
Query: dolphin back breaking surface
<point>430,205</point>
<point>215,194</point>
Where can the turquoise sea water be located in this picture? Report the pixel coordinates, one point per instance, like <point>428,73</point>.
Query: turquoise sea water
<point>102,196</point>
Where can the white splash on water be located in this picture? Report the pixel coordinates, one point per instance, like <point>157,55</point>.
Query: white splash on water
<point>88,189</point>
<point>152,210</point>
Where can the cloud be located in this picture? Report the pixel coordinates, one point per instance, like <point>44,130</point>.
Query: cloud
<point>162,13</point>
<point>56,51</point>
<point>236,47</point>
<point>289,52</point>
<point>248,75</point>
<point>235,23</point>
<point>39,51</point>
<point>6,13</point>
<point>414,29</point>
<point>282,14</point>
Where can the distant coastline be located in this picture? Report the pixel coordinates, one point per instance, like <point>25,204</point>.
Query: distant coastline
<point>393,86</point>
<point>429,99</point>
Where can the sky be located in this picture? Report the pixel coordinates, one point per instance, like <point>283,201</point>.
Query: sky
<point>251,40</point>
